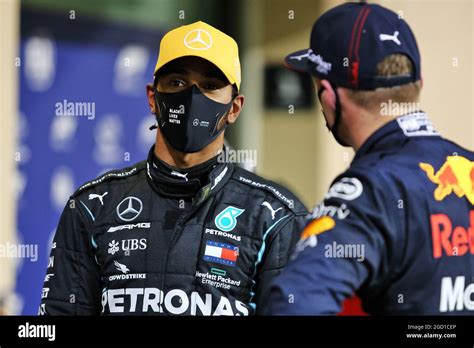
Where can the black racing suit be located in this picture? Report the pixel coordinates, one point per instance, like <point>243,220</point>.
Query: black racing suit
<point>134,241</point>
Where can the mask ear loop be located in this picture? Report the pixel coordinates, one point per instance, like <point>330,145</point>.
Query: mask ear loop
<point>337,114</point>
<point>337,111</point>
<point>155,126</point>
<point>213,131</point>
<point>319,94</point>
<point>337,119</point>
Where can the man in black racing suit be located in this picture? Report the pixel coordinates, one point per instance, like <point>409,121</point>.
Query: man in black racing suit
<point>184,232</point>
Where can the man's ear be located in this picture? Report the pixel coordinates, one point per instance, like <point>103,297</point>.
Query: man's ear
<point>150,92</point>
<point>235,109</point>
<point>329,95</point>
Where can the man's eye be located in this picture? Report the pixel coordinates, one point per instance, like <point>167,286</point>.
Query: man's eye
<point>177,83</point>
<point>211,87</point>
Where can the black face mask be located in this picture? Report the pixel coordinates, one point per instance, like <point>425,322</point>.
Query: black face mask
<point>188,119</point>
<point>337,119</point>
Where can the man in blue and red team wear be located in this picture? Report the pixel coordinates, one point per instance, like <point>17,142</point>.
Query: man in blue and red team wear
<point>397,228</point>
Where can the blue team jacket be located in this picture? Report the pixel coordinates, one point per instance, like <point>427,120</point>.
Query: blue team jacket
<point>397,229</point>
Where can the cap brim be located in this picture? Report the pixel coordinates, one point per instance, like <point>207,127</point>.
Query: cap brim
<point>298,61</point>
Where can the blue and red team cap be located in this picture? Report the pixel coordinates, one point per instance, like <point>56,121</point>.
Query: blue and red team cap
<point>348,41</point>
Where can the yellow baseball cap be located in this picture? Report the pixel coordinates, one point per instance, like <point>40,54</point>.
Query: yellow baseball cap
<point>202,40</point>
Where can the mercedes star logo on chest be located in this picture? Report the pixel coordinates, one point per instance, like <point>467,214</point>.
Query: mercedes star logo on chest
<point>129,208</point>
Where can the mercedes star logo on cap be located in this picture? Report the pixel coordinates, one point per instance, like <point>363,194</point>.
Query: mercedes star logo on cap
<point>198,39</point>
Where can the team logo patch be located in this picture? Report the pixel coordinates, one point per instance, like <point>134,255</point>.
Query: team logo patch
<point>222,253</point>
<point>226,220</point>
<point>455,175</point>
<point>129,208</point>
<point>417,124</point>
<point>346,188</point>
<point>198,39</point>
<point>318,226</point>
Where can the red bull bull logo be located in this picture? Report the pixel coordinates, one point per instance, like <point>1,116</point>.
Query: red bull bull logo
<point>455,175</point>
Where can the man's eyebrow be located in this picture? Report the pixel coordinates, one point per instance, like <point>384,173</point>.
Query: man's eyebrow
<point>181,71</point>
<point>210,73</point>
<point>216,75</point>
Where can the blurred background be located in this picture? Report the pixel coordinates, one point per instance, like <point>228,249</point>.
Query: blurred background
<point>102,52</point>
